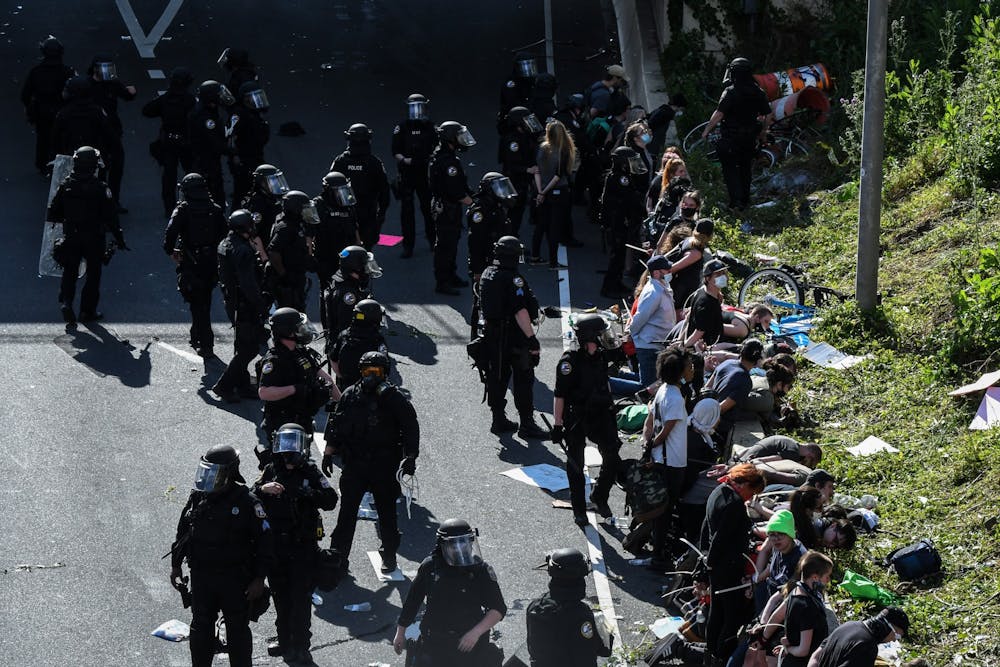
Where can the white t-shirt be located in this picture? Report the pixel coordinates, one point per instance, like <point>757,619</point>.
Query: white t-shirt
<point>669,405</point>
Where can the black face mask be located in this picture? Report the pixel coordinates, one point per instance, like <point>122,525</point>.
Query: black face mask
<point>688,212</point>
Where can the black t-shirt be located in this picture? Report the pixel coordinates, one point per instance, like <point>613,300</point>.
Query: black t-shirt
<point>732,381</point>
<point>780,445</point>
<point>706,315</point>
<point>457,597</point>
<point>803,612</point>
<point>850,645</point>
<point>740,106</point>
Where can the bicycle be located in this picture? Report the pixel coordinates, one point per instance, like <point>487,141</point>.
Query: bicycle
<point>785,286</point>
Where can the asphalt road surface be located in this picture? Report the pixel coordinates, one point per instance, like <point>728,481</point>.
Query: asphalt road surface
<point>103,424</point>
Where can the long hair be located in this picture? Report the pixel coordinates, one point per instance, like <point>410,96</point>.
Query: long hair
<point>669,171</point>
<point>559,142</point>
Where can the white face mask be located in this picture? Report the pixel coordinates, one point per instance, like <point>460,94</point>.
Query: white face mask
<point>721,281</point>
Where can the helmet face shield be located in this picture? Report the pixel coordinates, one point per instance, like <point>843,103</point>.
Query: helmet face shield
<point>105,71</point>
<point>461,550</point>
<point>532,124</point>
<point>310,217</point>
<point>223,59</point>
<point>212,477</point>
<point>503,189</point>
<point>465,138</point>
<point>636,165</point>
<point>226,98</point>
<point>344,194</point>
<point>256,99</point>
<point>372,268</point>
<point>290,445</point>
<point>416,110</point>
<point>527,67</point>
<point>608,340</point>
<point>276,183</point>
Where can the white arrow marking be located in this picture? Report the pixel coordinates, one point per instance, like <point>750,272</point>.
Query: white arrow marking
<point>144,43</point>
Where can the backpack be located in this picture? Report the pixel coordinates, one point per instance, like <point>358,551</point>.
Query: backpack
<point>915,561</point>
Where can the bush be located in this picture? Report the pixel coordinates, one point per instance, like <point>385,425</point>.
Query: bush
<point>975,336</point>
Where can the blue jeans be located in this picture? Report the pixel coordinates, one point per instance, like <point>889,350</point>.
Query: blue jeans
<point>627,384</point>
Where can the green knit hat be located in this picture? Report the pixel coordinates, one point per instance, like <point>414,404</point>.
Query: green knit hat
<point>782,522</point>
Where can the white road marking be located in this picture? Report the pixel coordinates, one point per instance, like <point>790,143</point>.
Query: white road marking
<point>156,74</point>
<point>145,44</point>
<point>183,354</point>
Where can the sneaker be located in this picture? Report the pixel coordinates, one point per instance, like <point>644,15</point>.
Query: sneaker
<point>502,425</point>
<point>227,394</point>
<point>388,562</point>
<point>273,647</point>
<point>91,317</point>
<point>67,313</point>
<point>529,430</point>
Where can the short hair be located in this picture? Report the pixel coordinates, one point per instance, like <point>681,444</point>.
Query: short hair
<point>746,473</point>
<point>760,310</point>
<point>777,373</point>
<point>670,365</point>
<point>814,450</point>
<point>811,563</point>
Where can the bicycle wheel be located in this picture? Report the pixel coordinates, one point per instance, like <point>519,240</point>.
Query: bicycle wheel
<point>762,166</point>
<point>774,283</point>
<point>693,138</point>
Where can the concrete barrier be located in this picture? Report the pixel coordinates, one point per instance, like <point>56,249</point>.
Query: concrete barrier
<point>640,50</point>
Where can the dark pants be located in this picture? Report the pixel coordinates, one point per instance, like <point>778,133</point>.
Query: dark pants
<point>91,249</point>
<point>291,292</point>
<point>411,185</point>
<point>674,478</point>
<point>246,344</point>
<point>200,303</point>
<point>564,220</point>
<point>368,227</point>
<point>211,593</point>
<point>292,581</point>
<point>43,140</point>
<point>355,479</point>
<point>603,432</point>
<point>736,155</point>
<point>116,168</point>
<point>211,170</point>
<point>506,364</point>
<point>617,238</point>
<point>442,649</point>
<point>517,211</point>
<point>448,226</point>
<point>728,611</point>
<point>174,155</point>
<point>549,219</point>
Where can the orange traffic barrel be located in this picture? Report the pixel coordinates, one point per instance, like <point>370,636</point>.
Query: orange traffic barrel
<point>782,84</point>
<point>807,98</point>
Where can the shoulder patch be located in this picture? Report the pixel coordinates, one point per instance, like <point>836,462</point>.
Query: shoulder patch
<point>623,180</point>
<point>324,482</point>
<point>108,194</point>
<point>267,367</point>
<point>236,511</point>
<point>510,83</point>
<point>452,171</point>
<point>395,130</point>
<point>587,630</point>
<point>210,124</point>
<point>518,281</point>
<point>350,299</point>
<point>565,368</point>
<point>256,217</point>
<point>477,217</point>
<point>258,509</point>
<point>513,146</point>
<point>490,572</point>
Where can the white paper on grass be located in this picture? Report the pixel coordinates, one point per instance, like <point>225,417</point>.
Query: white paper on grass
<point>985,380</point>
<point>376,560</point>
<point>827,356</point>
<point>988,414</point>
<point>664,626</point>
<point>173,631</point>
<point>543,475</point>
<point>872,445</point>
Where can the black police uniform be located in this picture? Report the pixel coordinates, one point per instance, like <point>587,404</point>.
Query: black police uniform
<point>85,206</point>
<point>621,214</point>
<point>288,239</point>
<point>582,382</point>
<point>42,98</point>
<point>414,139</point>
<point>339,298</point>
<point>240,283</point>
<point>174,147</point>
<point>488,221</point>
<point>457,599</point>
<point>196,229</point>
<point>449,187</point>
<point>562,632</point>
<point>515,92</point>
<point>107,94</point>
<point>517,154</point>
<point>250,134</point>
<point>82,122</point>
<point>502,293</point>
<point>337,229</point>
<point>227,543</point>
<point>207,133</point>
<point>281,367</point>
<point>740,105</point>
<point>371,188</point>
<point>349,346</point>
<point>264,208</point>
<point>297,527</point>
<point>372,429</point>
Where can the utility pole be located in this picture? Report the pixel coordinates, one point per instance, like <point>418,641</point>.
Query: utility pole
<point>872,150</point>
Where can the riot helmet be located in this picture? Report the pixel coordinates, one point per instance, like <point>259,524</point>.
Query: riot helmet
<point>624,159</point>
<point>338,187</point>
<point>240,220</point>
<point>374,369</point>
<point>217,469</point>
<point>455,133</point>
<point>738,72</point>
<point>253,96</point>
<point>213,92</point>
<point>358,132</point>
<point>51,48</point>
<point>181,78</point>
<point>457,543</point>
<point>499,187</point>
<point>76,88</point>
<point>521,118</point>
<point>290,444</point>
<point>86,160</point>
<point>525,66</point>
<point>576,101</point>
<point>288,323</point>
<point>103,68</point>
<point>231,58</point>
<point>507,251</point>
<point>368,313</point>
<point>194,187</point>
<point>297,205</point>
<point>268,178</point>
<point>592,328</point>
<point>355,259</point>
<point>567,564</point>
<point>416,107</point>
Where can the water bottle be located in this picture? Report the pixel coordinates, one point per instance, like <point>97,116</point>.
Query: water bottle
<point>364,606</point>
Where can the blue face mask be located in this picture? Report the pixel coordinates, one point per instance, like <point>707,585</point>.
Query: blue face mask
<point>645,137</point>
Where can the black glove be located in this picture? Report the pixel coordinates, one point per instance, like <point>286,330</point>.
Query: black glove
<point>557,434</point>
<point>534,345</point>
<point>302,392</point>
<point>327,466</point>
<point>408,466</point>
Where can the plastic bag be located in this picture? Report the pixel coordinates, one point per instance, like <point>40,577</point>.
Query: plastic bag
<point>863,588</point>
<point>173,631</point>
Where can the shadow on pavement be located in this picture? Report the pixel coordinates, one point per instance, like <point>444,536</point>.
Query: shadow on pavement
<point>104,354</point>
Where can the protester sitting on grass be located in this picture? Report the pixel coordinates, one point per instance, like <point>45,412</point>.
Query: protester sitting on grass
<point>767,391</point>
<point>777,558</point>
<point>804,612</point>
<point>732,383</point>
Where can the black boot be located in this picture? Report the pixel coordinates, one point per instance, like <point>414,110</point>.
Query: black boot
<point>529,430</point>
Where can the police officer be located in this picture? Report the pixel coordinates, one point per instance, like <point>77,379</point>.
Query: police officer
<point>245,305</point>
<point>361,337</point>
<point>368,179</point>
<point>488,221</point>
<point>413,141</point>
<point>248,132</point>
<point>464,603</point>
<point>84,205</point>
<point>107,89</point>
<point>622,211</point>
<point>192,239</point>
<point>349,286</point>
<point>583,408</point>
<point>293,490</point>
<point>288,251</point>
<point>562,629</point>
<point>517,90</point>
<point>42,98</point>
<point>224,536</point>
<point>236,63</point>
<point>518,146</point>
<point>741,109</point>
<point>509,308</point>
<point>291,382</point>
<point>81,122</point>
<point>450,191</point>
<point>207,132</point>
<point>374,428</point>
<point>338,225</point>
<point>172,146</point>
<point>264,200</point>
